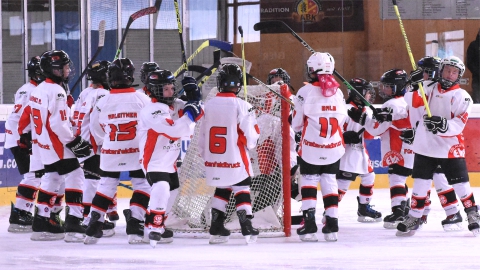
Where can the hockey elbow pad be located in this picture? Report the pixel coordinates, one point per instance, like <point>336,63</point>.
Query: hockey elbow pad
<point>79,147</point>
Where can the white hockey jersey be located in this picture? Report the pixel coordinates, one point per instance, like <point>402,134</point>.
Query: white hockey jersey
<point>394,150</point>
<point>83,109</point>
<point>114,125</point>
<point>416,108</point>
<point>321,121</point>
<point>356,159</point>
<point>52,128</point>
<point>160,131</point>
<point>228,130</point>
<point>22,96</point>
<point>454,104</point>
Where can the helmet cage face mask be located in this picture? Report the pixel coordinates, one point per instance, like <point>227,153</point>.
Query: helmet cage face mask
<point>364,87</point>
<point>278,72</point>
<point>430,65</point>
<point>454,62</point>
<point>156,81</point>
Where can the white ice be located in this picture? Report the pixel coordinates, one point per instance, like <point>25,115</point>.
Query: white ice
<point>360,246</point>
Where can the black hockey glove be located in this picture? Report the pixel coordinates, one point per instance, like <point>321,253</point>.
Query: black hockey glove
<point>352,137</point>
<point>416,77</point>
<point>79,147</point>
<point>357,115</point>
<point>408,135</point>
<point>25,143</point>
<point>191,89</point>
<point>193,110</point>
<point>384,114</point>
<point>435,124</point>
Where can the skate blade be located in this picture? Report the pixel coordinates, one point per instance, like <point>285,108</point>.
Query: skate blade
<point>309,237</point>
<point>17,228</point>
<point>74,237</point>
<point>368,219</point>
<point>90,240</point>
<point>46,236</point>
<point>108,233</point>
<point>134,239</point>
<point>330,237</point>
<point>476,232</point>
<point>217,239</point>
<point>453,227</point>
<point>390,225</point>
<point>251,239</point>
<point>405,234</point>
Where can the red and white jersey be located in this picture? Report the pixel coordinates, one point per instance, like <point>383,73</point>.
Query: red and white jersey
<point>51,126</point>
<point>160,135</point>
<point>22,96</point>
<point>229,129</point>
<point>83,109</point>
<point>454,104</point>
<point>394,150</point>
<point>321,120</point>
<point>356,158</point>
<point>114,125</point>
<point>416,108</point>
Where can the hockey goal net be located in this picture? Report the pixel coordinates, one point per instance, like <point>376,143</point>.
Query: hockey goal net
<point>270,190</point>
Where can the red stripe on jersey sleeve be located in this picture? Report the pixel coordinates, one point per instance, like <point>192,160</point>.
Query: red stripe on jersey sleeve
<point>56,143</point>
<point>152,138</point>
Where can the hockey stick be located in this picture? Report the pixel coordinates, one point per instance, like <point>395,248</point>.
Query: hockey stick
<point>240,29</point>
<point>133,17</point>
<point>414,66</point>
<point>272,24</point>
<point>180,33</point>
<point>101,42</point>
<point>99,176</point>
<point>226,46</point>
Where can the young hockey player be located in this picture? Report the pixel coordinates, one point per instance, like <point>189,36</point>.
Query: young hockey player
<point>58,149</point>
<point>320,113</point>
<point>114,125</point>
<point>428,69</point>
<point>147,67</point>
<point>31,168</point>
<point>162,123</point>
<point>356,162</point>
<point>439,141</point>
<point>396,154</point>
<point>228,131</point>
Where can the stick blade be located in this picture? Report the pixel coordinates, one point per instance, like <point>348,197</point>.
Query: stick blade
<point>266,24</point>
<point>101,33</point>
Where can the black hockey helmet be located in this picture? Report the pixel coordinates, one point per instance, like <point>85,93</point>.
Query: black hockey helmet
<point>363,87</point>
<point>396,79</point>
<point>156,81</point>
<point>34,70</point>
<point>120,73</point>
<point>278,72</point>
<point>147,67</point>
<point>430,65</point>
<point>52,64</point>
<point>230,78</point>
<point>97,73</point>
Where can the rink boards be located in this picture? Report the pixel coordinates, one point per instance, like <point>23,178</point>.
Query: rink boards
<point>9,176</point>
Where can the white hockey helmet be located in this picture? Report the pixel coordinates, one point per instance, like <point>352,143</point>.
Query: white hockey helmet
<point>320,63</point>
<point>454,62</point>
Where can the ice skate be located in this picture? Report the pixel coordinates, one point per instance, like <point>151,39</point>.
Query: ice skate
<point>108,229</point>
<point>330,229</point>
<point>135,228</point>
<point>45,229</point>
<point>307,232</point>
<point>473,220</point>
<point>164,237</point>
<point>367,214</point>
<point>94,229</point>
<point>55,216</point>
<point>113,216</point>
<point>248,231</point>
<point>74,231</point>
<point>398,215</point>
<point>408,227</point>
<point>218,233</point>
<point>20,221</point>
<point>423,220</point>
<point>453,222</point>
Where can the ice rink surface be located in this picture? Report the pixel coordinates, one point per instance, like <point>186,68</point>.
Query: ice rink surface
<point>360,246</point>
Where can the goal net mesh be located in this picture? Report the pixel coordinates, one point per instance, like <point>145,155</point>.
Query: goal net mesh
<point>190,215</point>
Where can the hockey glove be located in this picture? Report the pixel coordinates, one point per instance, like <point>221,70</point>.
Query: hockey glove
<point>357,115</point>
<point>79,147</point>
<point>25,143</point>
<point>384,114</point>
<point>191,89</point>
<point>193,110</point>
<point>408,135</point>
<point>435,124</point>
<point>416,77</point>
<point>352,137</point>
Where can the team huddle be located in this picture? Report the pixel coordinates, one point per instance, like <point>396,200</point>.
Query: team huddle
<point>78,154</point>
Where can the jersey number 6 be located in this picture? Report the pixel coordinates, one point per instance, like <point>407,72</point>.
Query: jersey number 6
<point>218,144</point>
